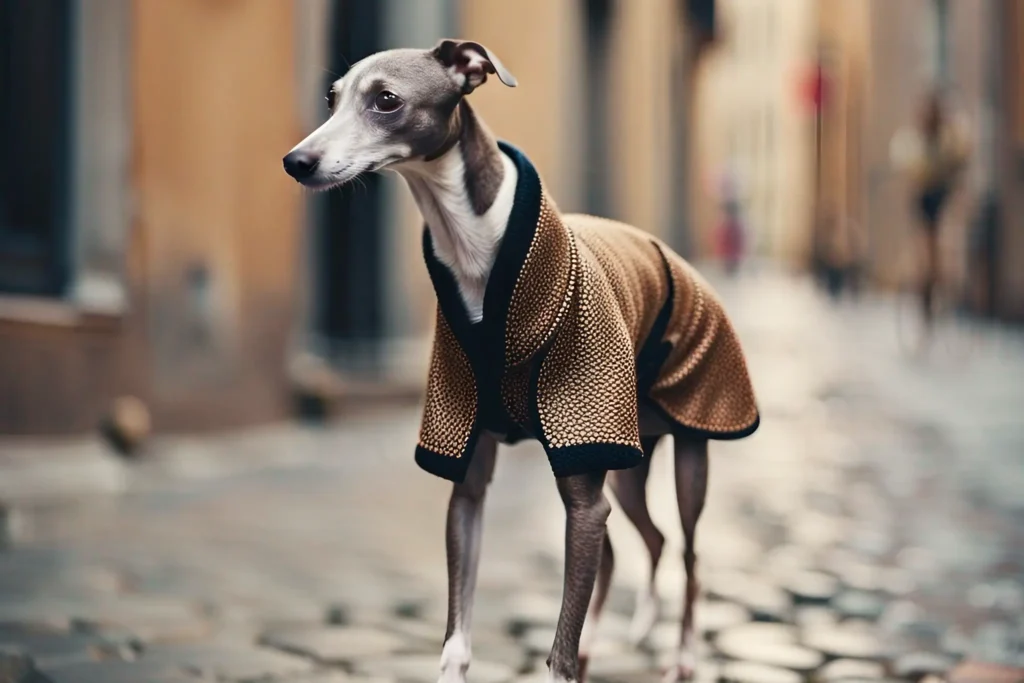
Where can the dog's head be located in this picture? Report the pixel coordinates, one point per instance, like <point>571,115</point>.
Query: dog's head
<point>392,107</point>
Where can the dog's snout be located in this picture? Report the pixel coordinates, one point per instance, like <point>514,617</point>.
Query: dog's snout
<point>301,165</point>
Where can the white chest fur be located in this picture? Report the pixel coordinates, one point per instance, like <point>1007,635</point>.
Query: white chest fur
<point>465,242</point>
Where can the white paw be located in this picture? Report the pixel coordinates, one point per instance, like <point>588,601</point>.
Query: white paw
<point>552,678</point>
<point>452,675</point>
<point>677,673</point>
<point>684,668</point>
<point>648,610</point>
<point>455,658</point>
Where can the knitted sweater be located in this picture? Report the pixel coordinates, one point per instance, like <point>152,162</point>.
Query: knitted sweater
<point>584,320</point>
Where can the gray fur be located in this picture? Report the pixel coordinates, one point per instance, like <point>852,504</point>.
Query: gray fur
<point>431,84</point>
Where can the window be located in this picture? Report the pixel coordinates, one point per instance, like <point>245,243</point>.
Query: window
<point>35,43</point>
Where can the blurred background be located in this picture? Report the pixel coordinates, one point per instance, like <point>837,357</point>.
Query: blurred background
<point>256,354</point>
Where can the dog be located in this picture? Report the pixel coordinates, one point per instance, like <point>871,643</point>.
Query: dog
<point>588,335</point>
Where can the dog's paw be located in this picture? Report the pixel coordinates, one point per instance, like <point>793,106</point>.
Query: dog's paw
<point>554,678</point>
<point>452,675</point>
<point>678,672</point>
<point>645,616</point>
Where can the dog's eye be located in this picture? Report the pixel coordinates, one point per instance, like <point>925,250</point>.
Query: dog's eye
<point>330,99</point>
<point>387,102</point>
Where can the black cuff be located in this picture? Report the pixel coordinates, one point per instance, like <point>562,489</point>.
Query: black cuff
<point>594,457</point>
<point>444,466</point>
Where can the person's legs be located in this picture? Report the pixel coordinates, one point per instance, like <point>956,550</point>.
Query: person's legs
<point>931,212</point>
<point>931,273</point>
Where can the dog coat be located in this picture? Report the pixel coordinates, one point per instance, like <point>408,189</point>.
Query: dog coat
<point>583,319</point>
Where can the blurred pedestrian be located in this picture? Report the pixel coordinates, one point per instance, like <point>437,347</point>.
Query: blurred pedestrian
<point>729,236</point>
<point>934,154</point>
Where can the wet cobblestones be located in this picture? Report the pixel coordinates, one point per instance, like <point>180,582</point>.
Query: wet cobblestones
<point>872,530</point>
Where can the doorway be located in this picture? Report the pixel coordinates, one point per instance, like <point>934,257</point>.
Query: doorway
<point>348,310</point>
<point>35,124</point>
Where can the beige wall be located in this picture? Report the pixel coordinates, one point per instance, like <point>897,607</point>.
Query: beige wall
<point>535,39</point>
<point>845,33</point>
<point>642,49</point>
<point>749,115</point>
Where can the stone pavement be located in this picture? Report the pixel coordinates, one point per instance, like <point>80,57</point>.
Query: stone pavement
<point>873,529</point>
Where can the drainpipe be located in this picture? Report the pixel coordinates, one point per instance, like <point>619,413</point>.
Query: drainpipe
<point>990,224</point>
<point>983,263</point>
<point>942,42</point>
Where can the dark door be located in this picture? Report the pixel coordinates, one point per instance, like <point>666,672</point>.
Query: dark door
<point>35,106</point>
<point>349,232</point>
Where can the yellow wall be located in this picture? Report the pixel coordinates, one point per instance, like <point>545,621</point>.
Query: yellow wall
<point>214,96</point>
<point>639,108</point>
<point>533,115</point>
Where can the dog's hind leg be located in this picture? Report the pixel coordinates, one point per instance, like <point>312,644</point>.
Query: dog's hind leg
<point>464,524</point>
<point>630,489</point>
<point>691,461</point>
<point>586,511</point>
<point>593,620</point>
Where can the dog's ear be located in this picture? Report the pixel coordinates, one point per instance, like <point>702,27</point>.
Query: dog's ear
<point>469,63</point>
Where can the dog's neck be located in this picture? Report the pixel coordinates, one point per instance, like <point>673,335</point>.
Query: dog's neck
<point>465,194</point>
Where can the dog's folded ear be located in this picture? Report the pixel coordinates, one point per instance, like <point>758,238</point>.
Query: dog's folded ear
<point>469,63</point>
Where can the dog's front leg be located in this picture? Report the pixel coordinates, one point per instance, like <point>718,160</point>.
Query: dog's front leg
<point>586,510</point>
<point>465,522</point>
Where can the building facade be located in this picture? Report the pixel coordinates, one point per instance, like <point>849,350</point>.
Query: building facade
<point>150,244</point>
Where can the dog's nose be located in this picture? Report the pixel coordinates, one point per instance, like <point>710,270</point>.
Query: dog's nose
<point>300,165</point>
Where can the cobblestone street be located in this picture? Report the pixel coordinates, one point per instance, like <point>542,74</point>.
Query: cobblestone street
<point>875,522</point>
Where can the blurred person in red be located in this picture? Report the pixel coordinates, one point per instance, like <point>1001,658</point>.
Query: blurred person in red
<point>729,235</point>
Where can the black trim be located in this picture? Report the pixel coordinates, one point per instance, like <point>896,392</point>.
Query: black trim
<point>484,342</point>
<point>445,466</point>
<point>593,457</point>
<point>652,357</point>
<point>572,460</point>
<point>680,429</point>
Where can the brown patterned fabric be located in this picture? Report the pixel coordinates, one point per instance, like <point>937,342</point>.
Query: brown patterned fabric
<point>584,319</point>
<point>450,410</point>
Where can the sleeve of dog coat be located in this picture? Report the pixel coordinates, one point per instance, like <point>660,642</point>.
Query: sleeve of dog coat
<point>448,432</point>
<point>585,388</point>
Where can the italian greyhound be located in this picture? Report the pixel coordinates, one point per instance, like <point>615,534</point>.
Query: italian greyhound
<point>406,111</point>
